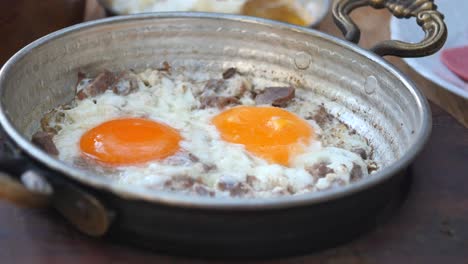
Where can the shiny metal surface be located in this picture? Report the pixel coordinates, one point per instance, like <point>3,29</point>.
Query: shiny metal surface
<point>360,88</point>
<point>425,11</point>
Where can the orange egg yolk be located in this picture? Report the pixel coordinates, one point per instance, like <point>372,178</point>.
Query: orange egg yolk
<point>271,133</point>
<point>130,141</point>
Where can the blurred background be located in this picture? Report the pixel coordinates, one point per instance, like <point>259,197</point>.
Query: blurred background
<point>24,21</point>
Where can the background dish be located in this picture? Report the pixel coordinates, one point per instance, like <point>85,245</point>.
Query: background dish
<point>317,8</point>
<point>432,67</point>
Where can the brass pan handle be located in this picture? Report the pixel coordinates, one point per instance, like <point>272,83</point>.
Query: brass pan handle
<point>425,12</point>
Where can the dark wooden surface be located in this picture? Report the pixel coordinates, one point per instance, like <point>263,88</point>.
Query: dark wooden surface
<point>429,227</point>
<point>22,21</point>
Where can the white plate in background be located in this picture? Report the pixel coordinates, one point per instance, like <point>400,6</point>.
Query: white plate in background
<point>317,8</point>
<point>431,67</point>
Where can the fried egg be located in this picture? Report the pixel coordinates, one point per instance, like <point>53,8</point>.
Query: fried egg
<point>129,141</point>
<point>271,133</point>
<point>167,135</point>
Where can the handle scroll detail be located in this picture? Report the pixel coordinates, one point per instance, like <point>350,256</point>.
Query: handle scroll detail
<point>425,12</point>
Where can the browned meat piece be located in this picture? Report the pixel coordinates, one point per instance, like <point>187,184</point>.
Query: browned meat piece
<point>209,167</point>
<point>81,77</point>
<point>216,93</point>
<point>356,173</point>
<point>189,185</point>
<point>215,86</point>
<point>235,189</point>
<point>319,170</point>
<point>218,101</point>
<point>371,167</point>
<point>361,152</point>
<point>193,158</point>
<point>229,73</point>
<point>211,94</point>
<point>166,67</point>
<point>125,84</point>
<point>185,159</point>
<point>45,142</point>
<point>179,183</point>
<point>54,116</point>
<point>242,90</point>
<point>45,122</point>
<point>202,190</point>
<point>206,167</point>
<point>276,96</point>
<point>98,86</point>
<point>81,95</point>
<point>182,159</point>
<point>81,81</point>
<point>220,87</point>
<point>251,180</point>
<point>321,116</point>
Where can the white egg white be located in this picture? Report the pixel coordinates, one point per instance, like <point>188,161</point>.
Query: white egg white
<point>206,163</point>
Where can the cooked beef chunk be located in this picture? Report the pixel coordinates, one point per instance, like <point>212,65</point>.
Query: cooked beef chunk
<point>182,159</point>
<point>361,152</point>
<point>213,95</point>
<point>321,117</point>
<point>229,73</point>
<point>235,189</point>
<point>166,67</point>
<point>319,170</point>
<point>81,77</point>
<point>193,158</point>
<point>356,173</point>
<point>179,183</point>
<point>371,167</point>
<point>218,101</point>
<point>48,118</point>
<point>221,93</point>
<point>216,86</point>
<point>98,86</point>
<point>45,142</point>
<point>251,180</point>
<point>202,190</point>
<point>124,84</point>
<point>206,167</point>
<point>209,167</point>
<point>276,96</point>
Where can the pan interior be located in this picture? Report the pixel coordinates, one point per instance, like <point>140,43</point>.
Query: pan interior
<point>356,87</point>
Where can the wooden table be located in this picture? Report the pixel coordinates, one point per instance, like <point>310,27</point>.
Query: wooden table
<point>429,227</point>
